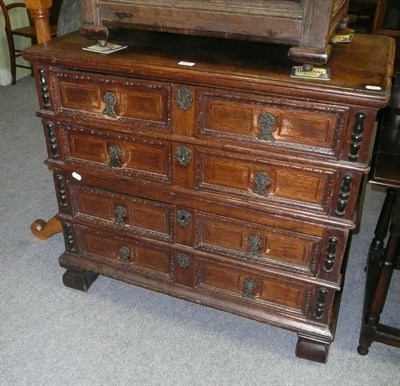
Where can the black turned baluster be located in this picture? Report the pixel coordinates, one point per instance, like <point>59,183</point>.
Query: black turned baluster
<point>44,89</point>
<point>330,254</point>
<point>69,238</point>
<point>344,195</point>
<point>52,140</point>
<point>356,138</point>
<point>320,305</point>
<point>61,193</point>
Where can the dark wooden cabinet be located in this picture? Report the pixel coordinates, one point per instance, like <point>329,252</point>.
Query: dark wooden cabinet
<point>306,25</point>
<point>226,182</point>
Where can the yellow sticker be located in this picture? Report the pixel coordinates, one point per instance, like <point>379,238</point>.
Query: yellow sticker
<point>314,73</point>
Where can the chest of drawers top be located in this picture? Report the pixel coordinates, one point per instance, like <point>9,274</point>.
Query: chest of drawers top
<point>360,70</point>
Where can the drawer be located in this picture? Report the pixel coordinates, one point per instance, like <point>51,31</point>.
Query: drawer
<point>274,293</point>
<point>265,180</point>
<point>141,217</point>
<point>122,154</point>
<point>303,248</point>
<point>271,123</point>
<point>112,100</point>
<point>259,181</point>
<point>122,252</point>
<point>249,236</point>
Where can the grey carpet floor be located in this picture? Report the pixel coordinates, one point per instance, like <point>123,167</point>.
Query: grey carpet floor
<point>118,334</point>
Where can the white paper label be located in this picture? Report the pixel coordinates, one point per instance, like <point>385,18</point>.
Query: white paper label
<point>187,64</point>
<point>77,176</point>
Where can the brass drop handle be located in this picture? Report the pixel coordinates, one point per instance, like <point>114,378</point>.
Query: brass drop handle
<point>267,123</point>
<point>115,154</point>
<point>183,155</point>
<point>120,214</point>
<point>261,182</point>
<point>249,287</point>
<point>124,255</point>
<point>255,243</point>
<point>110,99</point>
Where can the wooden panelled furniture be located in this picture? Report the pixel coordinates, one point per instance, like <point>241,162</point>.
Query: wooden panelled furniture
<point>306,25</point>
<point>384,257</point>
<point>199,168</point>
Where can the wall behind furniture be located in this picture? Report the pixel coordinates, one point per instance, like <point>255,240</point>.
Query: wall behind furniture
<point>19,18</point>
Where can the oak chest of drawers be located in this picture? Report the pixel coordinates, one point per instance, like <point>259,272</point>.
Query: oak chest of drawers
<point>193,167</point>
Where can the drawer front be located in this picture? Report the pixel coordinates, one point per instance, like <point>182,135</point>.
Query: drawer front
<point>123,252</point>
<point>255,237</point>
<point>271,123</point>
<point>314,251</point>
<point>129,214</point>
<point>141,104</point>
<point>266,181</point>
<point>272,292</point>
<point>123,154</point>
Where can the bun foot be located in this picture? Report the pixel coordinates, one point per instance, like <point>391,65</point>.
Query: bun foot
<point>312,350</point>
<point>43,230</point>
<point>80,280</point>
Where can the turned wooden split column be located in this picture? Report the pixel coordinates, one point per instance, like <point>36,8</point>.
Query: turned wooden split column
<point>40,12</point>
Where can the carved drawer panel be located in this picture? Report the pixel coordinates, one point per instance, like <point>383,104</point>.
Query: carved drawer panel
<point>314,250</point>
<point>266,181</point>
<point>125,154</point>
<point>123,252</point>
<point>142,217</point>
<point>143,104</point>
<point>272,123</point>
<point>273,292</point>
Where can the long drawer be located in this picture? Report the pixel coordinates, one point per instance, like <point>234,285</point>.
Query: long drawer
<point>261,181</point>
<point>270,242</point>
<point>167,266</point>
<point>232,118</point>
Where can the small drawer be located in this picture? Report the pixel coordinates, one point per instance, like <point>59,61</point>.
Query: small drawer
<point>272,292</point>
<point>112,100</point>
<point>272,123</point>
<point>129,214</point>
<point>311,250</point>
<point>122,154</point>
<point>266,181</point>
<point>123,252</point>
